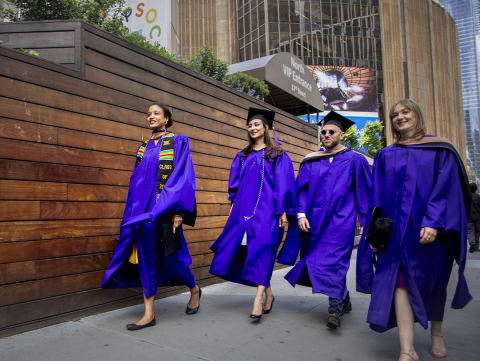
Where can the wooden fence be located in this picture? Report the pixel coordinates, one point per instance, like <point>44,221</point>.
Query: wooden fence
<point>68,136</point>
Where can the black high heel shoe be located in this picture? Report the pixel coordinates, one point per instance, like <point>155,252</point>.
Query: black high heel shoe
<point>257,316</point>
<point>266,312</point>
<point>192,311</point>
<point>134,327</point>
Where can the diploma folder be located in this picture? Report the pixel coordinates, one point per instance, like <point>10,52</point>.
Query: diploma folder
<point>378,228</point>
<point>171,241</point>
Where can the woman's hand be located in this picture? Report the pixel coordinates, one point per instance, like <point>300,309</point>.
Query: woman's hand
<point>427,235</point>
<point>303,224</point>
<point>374,249</point>
<point>282,220</point>
<point>177,221</point>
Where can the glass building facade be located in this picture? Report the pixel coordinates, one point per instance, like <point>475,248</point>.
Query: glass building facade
<point>466,15</point>
<point>320,32</point>
<point>342,34</point>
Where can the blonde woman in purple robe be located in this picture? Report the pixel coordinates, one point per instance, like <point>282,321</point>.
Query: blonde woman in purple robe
<point>418,182</point>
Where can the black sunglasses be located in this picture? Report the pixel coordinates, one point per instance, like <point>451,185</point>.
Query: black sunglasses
<point>330,131</point>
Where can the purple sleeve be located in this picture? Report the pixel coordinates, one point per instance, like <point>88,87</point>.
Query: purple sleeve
<point>445,205</point>
<point>365,270</point>
<point>303,179</point>
<point>289,252</point>
<point>446,213</point>
<point>234,178</point>
<point>178,195</point>
<point>362,187</point>
<point>285,192</point>
<point>302,199</point>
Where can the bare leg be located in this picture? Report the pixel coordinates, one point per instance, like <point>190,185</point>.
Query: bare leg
<point>149,315</point>
<point>437,340</point>
<point>268,298</point>
<point>258,302</point>
<point>194,297</point>
<point>405,321</point>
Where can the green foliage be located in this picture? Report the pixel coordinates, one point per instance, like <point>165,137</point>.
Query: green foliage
<point>206,63</point>
<point>31,10</point>
<point>370,138</point>
<point>106,14</point>
<point>351,139</point>
<point>142,41</point>
<point>29,52</point>
<point>247,84</point>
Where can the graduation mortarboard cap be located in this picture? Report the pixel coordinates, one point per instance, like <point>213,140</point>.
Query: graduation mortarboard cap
<point>265,116</point>
<point>334,118</point>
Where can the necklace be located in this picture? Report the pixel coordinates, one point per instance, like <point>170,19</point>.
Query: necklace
<point>260,191</point>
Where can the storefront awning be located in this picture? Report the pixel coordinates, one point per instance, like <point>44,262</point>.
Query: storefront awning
<point>292,86</point>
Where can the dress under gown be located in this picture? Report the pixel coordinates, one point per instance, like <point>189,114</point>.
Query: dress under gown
<point>154,269</point>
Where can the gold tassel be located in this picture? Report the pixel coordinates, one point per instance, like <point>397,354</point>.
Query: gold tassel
<point>134,256</point>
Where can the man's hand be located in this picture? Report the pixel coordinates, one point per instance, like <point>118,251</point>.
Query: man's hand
<point>303,224</point>
<point>177,221</point>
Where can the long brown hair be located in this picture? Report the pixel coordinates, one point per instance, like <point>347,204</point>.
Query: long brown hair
<point>273,150</point>
<point>420,127</point>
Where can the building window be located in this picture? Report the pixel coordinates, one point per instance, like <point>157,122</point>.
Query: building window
<point>272,11</point>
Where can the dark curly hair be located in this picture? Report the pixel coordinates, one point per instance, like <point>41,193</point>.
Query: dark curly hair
<point>166,113</point>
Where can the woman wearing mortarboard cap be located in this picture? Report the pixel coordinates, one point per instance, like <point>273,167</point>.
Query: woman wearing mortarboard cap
<point>418,182</point>
<point>151,250</point>
<point>262,192</point>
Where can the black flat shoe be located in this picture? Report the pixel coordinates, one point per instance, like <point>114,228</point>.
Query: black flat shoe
<point>134,327</point>
<point>192,311</point>
<point>266,312</point>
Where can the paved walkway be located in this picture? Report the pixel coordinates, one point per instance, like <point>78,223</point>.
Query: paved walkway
<point>222,330</point>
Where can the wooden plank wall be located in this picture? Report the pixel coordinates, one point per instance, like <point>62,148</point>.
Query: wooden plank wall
<point>57,44</point>
<point>68,140</point>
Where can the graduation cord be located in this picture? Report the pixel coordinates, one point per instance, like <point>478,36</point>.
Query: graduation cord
<point>261,186</point>
<point>113,278</point>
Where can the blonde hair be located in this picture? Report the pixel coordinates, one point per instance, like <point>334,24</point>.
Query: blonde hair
<point>420,127</point>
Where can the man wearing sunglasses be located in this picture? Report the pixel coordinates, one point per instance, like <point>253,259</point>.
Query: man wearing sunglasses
<point>333,188</point>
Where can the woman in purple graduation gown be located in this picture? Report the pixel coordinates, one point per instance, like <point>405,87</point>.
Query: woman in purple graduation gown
<point>418,182</point>
<point>151,250</point>
<point>262,192</point>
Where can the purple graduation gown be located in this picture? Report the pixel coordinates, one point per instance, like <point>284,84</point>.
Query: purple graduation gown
<point>177,197</point>
<point>415,187</point>
<point>253,265</point>
<point>331,194</point>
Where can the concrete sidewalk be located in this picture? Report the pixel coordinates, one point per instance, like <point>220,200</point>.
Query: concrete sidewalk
<point>222,330</point>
